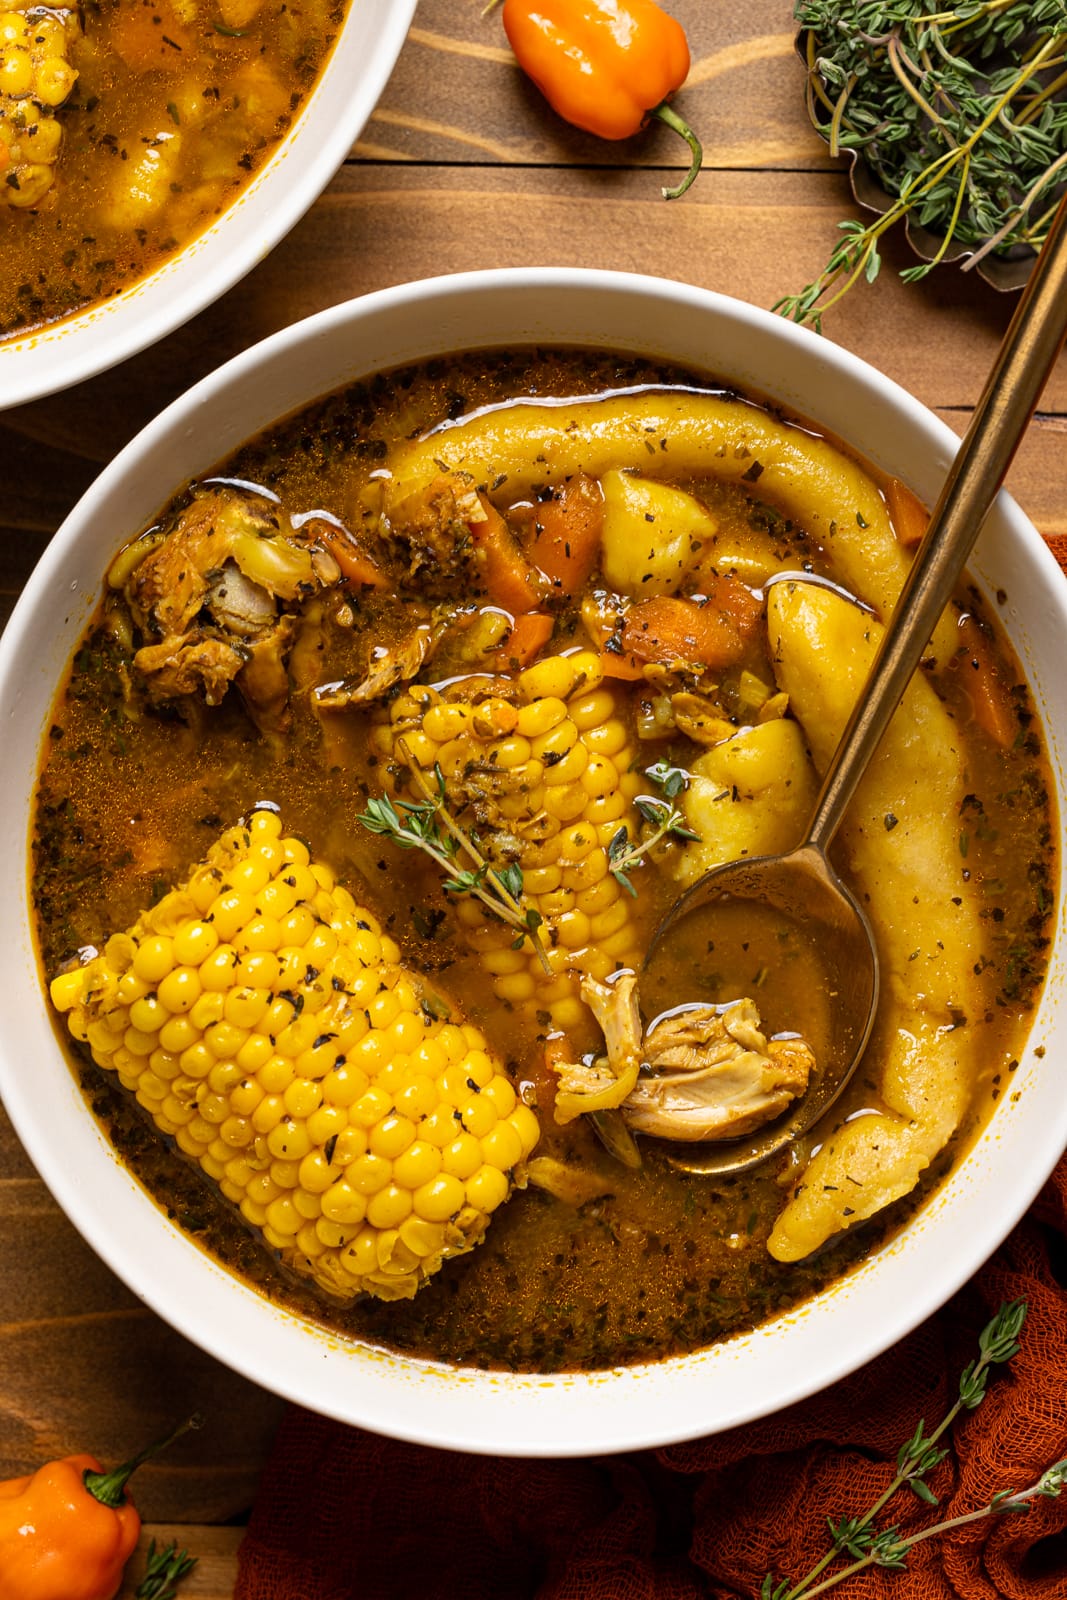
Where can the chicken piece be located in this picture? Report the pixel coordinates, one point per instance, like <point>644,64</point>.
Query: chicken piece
<point>429,529</point>
<point>705,1073</point>
<point>263,681</point>
<point>182,572</point>
<point>572,1184</point>
<point>214,599</point>
<point>391,665</point>
<point>604,1083</point>
<point>700,718</point>
<point>192,663</point>
<point>710,1073</point>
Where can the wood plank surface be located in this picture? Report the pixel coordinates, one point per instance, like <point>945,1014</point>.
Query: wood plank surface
<point>462,166</point>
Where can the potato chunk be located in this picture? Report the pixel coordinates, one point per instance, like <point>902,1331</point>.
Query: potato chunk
<point>652,534</point>
<point>749,796</point>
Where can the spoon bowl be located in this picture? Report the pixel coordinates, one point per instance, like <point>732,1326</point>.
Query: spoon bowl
<point>815,913</point>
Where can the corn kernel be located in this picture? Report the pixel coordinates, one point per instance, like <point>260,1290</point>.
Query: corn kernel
<point>439,1199</point>
<point>289,1139</point>
<point>501,1096</point>
<point>254,1053</point>
<point>487,1188</point>
<point>302,1097</point>
<point>344,1204</point>
<point>389,1207</point>
<point>391,1136</point>
<point>154,958</point>
<point>180,990</point>
<point>478,1115</point>
<point>284,1218</point>
<point>316,1173</point>
<point>328,1122</point>
<point>422,1238</point>
<point>369,1173</point>
<point>462,1157</point>
<point>515,988</point>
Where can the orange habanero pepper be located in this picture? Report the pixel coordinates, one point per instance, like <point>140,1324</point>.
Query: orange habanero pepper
<point>68,1529</point>
<point>605,65</point>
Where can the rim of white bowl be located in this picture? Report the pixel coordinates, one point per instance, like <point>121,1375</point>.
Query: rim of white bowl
<point>50,359</point>
<point>565,1414</point>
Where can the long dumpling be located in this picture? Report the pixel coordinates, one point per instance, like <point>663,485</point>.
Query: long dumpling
<point>899,849</point>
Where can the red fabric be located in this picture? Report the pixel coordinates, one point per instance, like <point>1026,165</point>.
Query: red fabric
<point>344,1515</point>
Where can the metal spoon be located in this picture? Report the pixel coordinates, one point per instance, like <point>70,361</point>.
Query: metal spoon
<point>802,885</point>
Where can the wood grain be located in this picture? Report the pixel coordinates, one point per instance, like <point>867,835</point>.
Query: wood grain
<point>462,166</point>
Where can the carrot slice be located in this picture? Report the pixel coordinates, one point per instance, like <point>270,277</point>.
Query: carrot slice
<point>712,633</point>
<point>510,580</point>
<point>149,37</point>
<point>528,637</point>
<point>907,513</point>
<point>565,532</point>
<point>983,683</point>
<point>355,564</point>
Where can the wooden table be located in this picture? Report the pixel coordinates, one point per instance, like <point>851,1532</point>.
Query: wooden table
<point>462,166</point>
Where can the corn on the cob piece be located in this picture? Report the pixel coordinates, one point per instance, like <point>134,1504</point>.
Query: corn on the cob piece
<point>265,1022</point>
<point>549,782</point>
<point>36,76</point>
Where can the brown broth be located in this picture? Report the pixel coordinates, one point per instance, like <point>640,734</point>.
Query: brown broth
<point>663,1262</point>
<point>158,140</point>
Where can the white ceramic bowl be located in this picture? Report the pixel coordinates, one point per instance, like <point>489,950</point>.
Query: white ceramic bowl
<point>502,1413</point>
<point>330,122</point>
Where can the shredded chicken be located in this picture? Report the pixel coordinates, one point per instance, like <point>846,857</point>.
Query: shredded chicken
<point>707,1072</point>
<point>390,666</point>
<point>700,718</point>
<point>213,603</point>
<point>574,1185</point>
<point>711,1074</point>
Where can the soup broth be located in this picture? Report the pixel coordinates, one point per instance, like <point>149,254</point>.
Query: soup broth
<point>609,1253</point>
<point>129,128</point>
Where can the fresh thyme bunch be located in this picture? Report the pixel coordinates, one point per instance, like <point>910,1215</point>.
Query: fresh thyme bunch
<point>957,112</point>
<point>871,1546</point>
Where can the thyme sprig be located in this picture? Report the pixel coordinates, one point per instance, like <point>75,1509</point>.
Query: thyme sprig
<point>165,1569</point>
<point>958,114</point>
<point>429,826</point>
<point>870,1546</point>
<point>662,816</point>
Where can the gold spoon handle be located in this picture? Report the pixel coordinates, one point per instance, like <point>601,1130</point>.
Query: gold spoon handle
<point>1011,392</point>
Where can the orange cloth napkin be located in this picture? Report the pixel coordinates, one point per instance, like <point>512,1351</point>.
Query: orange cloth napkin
<point>344,1515</point>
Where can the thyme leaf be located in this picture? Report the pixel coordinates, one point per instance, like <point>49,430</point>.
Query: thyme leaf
<point>666,822</point>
